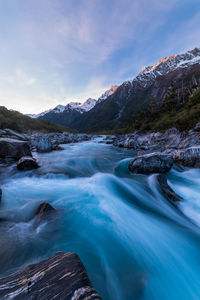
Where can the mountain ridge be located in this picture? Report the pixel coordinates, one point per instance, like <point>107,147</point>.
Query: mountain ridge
<point>116,107</point>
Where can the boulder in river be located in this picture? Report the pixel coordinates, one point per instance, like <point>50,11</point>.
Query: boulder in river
<point>27,163</point>
<point>43,212</point>
<point>12,148</point>
<point>43,145</point>
<point>189,157</point>
<point>167,190</point>
<point>151,163</point>
<point>60,277</point>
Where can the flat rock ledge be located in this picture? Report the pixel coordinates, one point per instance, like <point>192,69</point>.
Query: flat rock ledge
<point>59,277</point>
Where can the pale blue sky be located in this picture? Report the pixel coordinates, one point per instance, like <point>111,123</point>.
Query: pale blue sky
<point>56,51</point>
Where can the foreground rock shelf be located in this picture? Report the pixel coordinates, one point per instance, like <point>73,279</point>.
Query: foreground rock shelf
<point>183,147</point>
<point>59,277</point>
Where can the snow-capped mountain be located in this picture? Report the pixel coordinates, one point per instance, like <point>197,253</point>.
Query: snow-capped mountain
<point>168,64</point>
<point>88,104</point>
<point>77,106</point>
<point>151,84</point>
<point>117,106</point>
<point>107,93</point>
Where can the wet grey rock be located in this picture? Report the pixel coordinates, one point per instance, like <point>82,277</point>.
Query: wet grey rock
<point>43,145</point>
<point>151,163</point>
<point>57,148</point>
<point>2,132</point>
<point>189,157</point>
<point>60,277</point>
<point>167,190</point>
<point>51,141</point>
<point>15,134</point>
<point>11,148</point>
<point>27,163</point>
<point>197,127</point>
<point>43,212</point>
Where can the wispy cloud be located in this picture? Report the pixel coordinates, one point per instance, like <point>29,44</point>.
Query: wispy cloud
<point>74,49</point>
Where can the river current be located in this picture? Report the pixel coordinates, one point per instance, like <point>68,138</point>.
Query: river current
<point>133,243</point>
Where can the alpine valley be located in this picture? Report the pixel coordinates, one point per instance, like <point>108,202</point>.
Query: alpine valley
<point>174,78</point>
<point>85,215</point>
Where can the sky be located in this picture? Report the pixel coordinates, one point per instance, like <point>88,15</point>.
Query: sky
<point>57,51</point>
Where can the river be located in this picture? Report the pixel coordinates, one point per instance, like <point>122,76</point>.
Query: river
<point>132,241</point>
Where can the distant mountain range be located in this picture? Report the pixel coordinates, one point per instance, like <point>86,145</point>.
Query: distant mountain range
<point>117,106</point>
<point>77,106</point>
<point>67,115</point>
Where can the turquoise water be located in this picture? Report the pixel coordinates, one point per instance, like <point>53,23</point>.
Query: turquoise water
<point>133,243</point>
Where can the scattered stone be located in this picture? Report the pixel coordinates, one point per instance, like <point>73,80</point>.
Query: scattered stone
<point>60,277</point>
<point>27,163</point>
<point>11,148</point>
<point>167,190</point>
<point>151,163</point>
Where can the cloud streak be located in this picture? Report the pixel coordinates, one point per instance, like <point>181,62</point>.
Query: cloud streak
<point>73,49</point>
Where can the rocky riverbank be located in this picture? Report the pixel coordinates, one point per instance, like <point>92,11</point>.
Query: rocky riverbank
<point>151,153</point>
<point>182,147</point>
<point>16,146</point>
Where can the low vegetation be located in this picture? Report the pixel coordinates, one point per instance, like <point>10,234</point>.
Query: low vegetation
<point>171,113</point>
<point>19,122</point>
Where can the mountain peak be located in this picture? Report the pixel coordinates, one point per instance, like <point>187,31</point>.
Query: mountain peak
<point>166,65</point>
<point>107,93</point>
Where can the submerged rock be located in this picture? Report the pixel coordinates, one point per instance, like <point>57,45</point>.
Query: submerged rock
<point>43,212</point>
<point>11,148</point>
<point>27,163</point>
<point>167,190</point>
<point>151,163</point>
<point>60,277</point>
